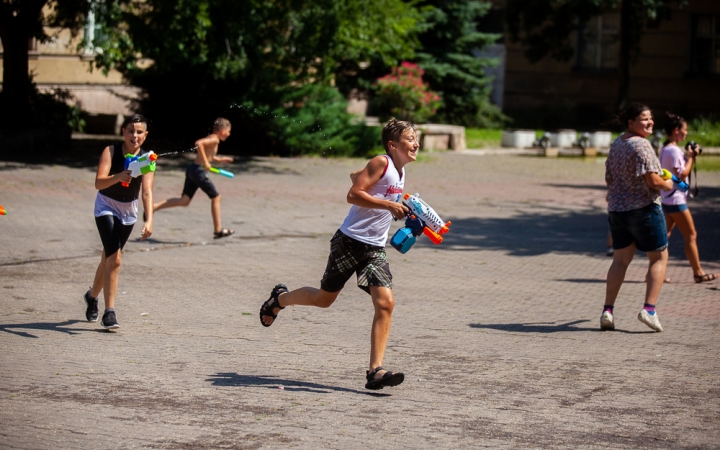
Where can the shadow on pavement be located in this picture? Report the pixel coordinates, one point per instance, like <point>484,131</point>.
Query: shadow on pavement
<point>546,327</point>
<point>595,187</point>
<point>235,379</point>
<point>85,154</point>
<point>574,232</point>
<point>594,280</point>
<point>46,326</point>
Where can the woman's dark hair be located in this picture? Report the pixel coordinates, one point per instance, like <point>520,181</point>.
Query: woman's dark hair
<point>672,121</point>
<point>135,118</point>
<point>631,112</point>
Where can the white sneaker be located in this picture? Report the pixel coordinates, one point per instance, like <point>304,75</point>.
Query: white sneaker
<point>610,251</point>
<point>607,321</point>
<point>651,320</point>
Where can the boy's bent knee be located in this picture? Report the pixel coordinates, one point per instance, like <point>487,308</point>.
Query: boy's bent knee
<point>325,299</point>
<point>384,303</point>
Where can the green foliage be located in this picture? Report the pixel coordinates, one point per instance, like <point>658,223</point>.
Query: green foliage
<point>483,137</point>
<point>196,58</point>
<point>317,122</point>
<point>403,95</point>
<point>705,131</point>
<point>448,43</point>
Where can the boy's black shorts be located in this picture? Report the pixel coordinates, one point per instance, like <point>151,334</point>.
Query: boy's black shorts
<point>196,177</point>
<point>348,256</point>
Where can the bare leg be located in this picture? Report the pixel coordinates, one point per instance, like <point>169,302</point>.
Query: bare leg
<point>616,274</point>
<point>686,225</point>
<point>110,278</point>
<point>669,223</point>
<point>655,275</point>
<point>99,275</point>
<point>215,211</point>
<point>172,202</point>
<point>384,304</point>
<point>305,296</point>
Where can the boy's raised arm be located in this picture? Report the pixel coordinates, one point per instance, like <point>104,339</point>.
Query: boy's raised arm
<point>103,179</point>
<point>363,180</point>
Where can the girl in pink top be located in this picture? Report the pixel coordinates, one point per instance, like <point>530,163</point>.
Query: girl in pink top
<point>674,202</point>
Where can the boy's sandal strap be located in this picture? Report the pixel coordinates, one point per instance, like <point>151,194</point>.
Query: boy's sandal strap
<point>389,378</point>
<point>270,304</point>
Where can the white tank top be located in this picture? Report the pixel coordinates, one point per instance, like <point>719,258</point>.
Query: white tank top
<point>371,225</point>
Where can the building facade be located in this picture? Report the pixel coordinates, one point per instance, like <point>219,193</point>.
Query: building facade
<point>677,69</point>
<point>64,63</point>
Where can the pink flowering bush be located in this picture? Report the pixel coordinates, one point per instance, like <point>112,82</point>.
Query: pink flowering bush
<point>403,95</point>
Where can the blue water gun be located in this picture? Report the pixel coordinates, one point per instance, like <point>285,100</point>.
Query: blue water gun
<point>680,185</point>
<point>405,237</point>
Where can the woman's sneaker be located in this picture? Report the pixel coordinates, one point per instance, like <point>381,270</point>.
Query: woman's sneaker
<point>651,320</point>
<point>91,313</point>
<point>109,322</point>
<point>607,321</point>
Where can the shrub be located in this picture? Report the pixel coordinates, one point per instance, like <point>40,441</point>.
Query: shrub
<point>315,121</point>
<point>403,94</point>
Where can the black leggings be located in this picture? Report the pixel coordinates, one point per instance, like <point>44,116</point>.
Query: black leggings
<point>113,233</point>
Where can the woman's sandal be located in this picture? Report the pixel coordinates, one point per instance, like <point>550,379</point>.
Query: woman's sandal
<point>223,233</point>
<point>704,278</point>
<point>388,379</point>
<point>267,309</point>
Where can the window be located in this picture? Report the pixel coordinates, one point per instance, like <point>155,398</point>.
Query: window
<point>91,32</point>
<point>705,45</point>
<point>597,43</point>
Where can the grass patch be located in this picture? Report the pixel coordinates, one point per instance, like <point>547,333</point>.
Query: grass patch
<point>708,163</point>
<point>482,137</point>
<point>705,131</point>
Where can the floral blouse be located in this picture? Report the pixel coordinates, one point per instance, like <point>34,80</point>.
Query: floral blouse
<point>627,163</point>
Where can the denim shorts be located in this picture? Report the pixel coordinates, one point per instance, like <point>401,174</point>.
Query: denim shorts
<point>645,227</point>
<point>671,209</point>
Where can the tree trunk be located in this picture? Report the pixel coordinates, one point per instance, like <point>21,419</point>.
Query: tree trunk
<point>17,26</point>
<point>16,73</point>
<point>626,33</point>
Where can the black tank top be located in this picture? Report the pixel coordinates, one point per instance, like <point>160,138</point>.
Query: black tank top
<point>117,191</point>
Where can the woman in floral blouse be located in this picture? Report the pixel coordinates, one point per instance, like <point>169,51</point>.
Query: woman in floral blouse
<point>634,213</point>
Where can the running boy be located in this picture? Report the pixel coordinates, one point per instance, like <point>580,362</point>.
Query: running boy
<point>196,175</point>
<point>116,214</point>
<point>359,246</point>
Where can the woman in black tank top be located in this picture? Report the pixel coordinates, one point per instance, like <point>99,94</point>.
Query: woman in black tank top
<point>116,213</point>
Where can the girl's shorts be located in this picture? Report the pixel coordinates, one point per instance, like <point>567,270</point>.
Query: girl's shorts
<point>671,209</point>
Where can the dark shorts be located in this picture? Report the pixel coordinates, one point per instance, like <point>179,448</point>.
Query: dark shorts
<point>113,233</point>
<point>645,227</point>
<point>348,256</point>
<point>671,209</point>
<point>196,177</point>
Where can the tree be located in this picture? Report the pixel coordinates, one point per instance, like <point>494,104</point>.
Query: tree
<point>194,59</point>
<point>20,21</point>
<point>545,27</point>
<point>447,54</point>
